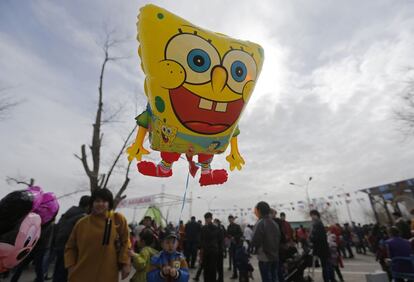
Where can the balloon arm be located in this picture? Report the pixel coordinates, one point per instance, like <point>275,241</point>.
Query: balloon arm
<point>136,150</point>
<point>234,158</point>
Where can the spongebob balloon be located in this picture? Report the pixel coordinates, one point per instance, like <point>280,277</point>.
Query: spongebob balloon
<point>197,84</point>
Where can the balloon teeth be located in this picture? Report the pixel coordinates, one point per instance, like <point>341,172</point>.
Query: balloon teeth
<point>221,107</point>
<point>205,104</point>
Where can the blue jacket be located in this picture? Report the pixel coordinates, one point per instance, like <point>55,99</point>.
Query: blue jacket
<point>176,260</point>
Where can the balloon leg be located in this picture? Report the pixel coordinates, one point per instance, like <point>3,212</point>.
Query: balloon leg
<point>210,176</point>
<point>163,169</point>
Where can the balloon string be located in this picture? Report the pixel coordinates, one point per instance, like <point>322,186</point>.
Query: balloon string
<point>184,197</point>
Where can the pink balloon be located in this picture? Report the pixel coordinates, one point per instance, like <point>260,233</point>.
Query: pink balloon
<point>37,193</point>
<point>44,204</point>
<point>26,239</point>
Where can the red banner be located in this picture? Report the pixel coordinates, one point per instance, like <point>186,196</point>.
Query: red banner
<point>133,202</point>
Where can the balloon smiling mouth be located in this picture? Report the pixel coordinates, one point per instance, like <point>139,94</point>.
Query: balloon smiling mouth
<point>202,115</point>
<point>165,138</point>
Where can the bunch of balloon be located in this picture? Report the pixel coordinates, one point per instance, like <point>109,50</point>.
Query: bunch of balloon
<point>22,214</point>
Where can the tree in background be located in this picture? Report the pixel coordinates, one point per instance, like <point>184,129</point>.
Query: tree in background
<point>7,103</point>
<point>98,180</point>
<point>405,114</point>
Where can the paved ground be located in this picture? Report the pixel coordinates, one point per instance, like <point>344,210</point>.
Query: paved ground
<point>354,271</point>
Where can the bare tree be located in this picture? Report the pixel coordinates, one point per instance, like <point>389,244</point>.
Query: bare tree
<point>98,180</point>
<point>7,103</point>
<point>29,183</point>
<point>405,114</point>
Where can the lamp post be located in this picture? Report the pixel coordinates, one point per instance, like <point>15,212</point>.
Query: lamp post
<point>306,189</point>
<point>346,201</point>
<point>208,201</point>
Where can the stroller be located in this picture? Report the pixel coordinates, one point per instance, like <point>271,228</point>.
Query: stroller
<point>296,264</point>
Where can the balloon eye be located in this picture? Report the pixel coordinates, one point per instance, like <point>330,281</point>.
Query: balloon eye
<point>23,254</point>
<point>26,243</point>
<point>198,60</point>
<point>238,71</point>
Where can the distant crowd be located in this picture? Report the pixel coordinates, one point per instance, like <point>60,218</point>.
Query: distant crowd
<point>91,242</point>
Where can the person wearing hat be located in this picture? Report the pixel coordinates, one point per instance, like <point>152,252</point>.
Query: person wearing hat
<point>169,265</point>
<point>210,246</point>
<point>234,233</point>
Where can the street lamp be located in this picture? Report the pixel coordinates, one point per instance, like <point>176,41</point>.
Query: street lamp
<point>307,190</point>
<point>208,201</point>
<point>346,201</point>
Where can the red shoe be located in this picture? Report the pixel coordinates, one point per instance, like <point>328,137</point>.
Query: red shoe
<point>215,177</point>
<point>150,169</point>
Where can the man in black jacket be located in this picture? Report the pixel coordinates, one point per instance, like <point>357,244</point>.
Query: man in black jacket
<point>234,233</point>
<point>64,229</point>
<point>211,240</point>
<point>320,245</point>
<point>220,258</point>
<point>192,236</point>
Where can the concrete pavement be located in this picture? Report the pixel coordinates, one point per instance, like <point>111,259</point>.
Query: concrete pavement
<point>354,270</point>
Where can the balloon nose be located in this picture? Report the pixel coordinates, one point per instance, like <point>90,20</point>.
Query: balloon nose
<point>218,79</point>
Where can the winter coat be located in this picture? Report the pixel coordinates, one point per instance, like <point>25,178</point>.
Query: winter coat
<point>266,238</point>
<point>66,224</point>
<point>176,260</point>
<point>90,259</point>
<point>142,264</point>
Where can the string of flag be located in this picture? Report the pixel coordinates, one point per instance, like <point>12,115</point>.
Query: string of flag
<point>317,203</point>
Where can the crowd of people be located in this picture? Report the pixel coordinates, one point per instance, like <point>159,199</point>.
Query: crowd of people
<point>91,242</point>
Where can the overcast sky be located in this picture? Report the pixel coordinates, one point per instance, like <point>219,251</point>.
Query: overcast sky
<point>323,107</point>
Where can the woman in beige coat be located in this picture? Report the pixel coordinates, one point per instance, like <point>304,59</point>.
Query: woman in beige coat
<point>98,245</point>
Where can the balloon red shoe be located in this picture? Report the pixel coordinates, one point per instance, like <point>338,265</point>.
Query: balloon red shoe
<point>150,169</point>
<point>215,177</point>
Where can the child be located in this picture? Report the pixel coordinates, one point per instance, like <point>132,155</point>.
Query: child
<point>241,258</point>
<point>169,265</point>
<point>141,261</point>
<point>335,256</point>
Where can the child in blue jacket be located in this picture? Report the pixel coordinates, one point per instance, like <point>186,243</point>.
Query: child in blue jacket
<point>169,265</point>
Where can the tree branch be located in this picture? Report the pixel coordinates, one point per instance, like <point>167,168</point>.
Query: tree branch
<point>119,155</point>
<point>12,179</point>
<point>72,193</point>
<point>119,197</point>
<point>84,160</point>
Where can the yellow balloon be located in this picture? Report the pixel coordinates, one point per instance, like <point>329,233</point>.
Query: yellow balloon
<point>197,82</point>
